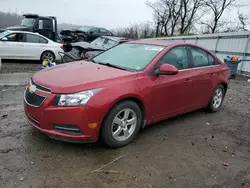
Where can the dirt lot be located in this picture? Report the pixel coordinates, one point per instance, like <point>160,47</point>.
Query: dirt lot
<point>13,66</point>
<point>187,151</point>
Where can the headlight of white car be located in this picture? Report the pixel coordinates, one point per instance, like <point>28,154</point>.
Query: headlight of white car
<point>77,99</point>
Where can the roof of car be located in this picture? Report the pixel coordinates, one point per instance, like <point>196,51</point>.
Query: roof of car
<point>28,32</point>
<point>156,42</point>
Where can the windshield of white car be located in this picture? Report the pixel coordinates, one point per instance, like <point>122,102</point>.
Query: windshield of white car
<point>4,34</point>
<point>29,22</point>
<point>130,56</point>
<point>103,42</point>
<point>98,42</point>
<point>84,28</point>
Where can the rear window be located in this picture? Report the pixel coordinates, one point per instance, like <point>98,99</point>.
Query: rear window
<point>43,40</point>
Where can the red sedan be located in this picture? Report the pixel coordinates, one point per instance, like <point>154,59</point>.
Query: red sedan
<point>123,89</point>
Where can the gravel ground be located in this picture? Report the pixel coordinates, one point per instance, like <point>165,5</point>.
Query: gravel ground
<point>13,67</point>
<point>187,151</point>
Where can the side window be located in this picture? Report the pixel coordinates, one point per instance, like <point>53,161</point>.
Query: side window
<point>212,60</point>
<point>177,57</point>
<point>199,57</point>
<point>42,40</point>
<point>109,43</point>
<point>94,30</point>
<point>32,38</point>
<point>47,24</point>
<point>103,31</point>
<point>15,37</point>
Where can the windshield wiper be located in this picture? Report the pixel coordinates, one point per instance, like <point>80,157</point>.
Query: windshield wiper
<point>93,61</point>
<point>111,65</point>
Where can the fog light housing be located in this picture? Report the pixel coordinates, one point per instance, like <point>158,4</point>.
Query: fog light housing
<point>68,129</point>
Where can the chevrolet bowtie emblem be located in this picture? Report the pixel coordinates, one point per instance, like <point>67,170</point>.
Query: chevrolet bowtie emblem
<point>32,88</point>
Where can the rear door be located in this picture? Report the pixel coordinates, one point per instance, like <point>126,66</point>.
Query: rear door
<point>202,73</point>
<point>33,46</point>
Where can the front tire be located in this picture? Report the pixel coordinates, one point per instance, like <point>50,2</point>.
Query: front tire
<point>121,124</point>
<point>217,99</point>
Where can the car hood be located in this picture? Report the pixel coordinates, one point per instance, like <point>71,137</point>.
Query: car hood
<point>86,45</point>
<point>18,28</point>
<point>80,76</point>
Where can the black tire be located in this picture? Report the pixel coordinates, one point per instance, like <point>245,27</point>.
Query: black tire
<point>106,133</point>
<point>50,54</point>
<point>211,106</point>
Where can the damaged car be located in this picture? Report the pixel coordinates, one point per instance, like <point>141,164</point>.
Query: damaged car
<point>85,33</point>
<point>84,50</point>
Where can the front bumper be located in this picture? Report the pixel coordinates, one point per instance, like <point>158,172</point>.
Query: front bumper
<point>47,115</point>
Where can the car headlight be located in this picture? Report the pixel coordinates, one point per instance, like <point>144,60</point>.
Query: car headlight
<point>77,99</point>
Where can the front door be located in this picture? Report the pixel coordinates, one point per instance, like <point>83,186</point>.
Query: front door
<point>172,94</point>
<point>12,47</point>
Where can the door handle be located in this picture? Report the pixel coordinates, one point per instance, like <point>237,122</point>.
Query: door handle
<point>188,80</point>
<point>211,74</point>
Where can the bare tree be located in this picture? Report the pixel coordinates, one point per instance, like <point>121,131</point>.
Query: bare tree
<point>161,15</point>
<point>174,16</point>
<point>244,21</point>
<point>136,31</point>
<point>9,19</point>
<point>188,11</point>
<point>146,30</point>
<point>217,7</point>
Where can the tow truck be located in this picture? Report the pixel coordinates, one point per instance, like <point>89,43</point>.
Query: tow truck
<point>44,25</point>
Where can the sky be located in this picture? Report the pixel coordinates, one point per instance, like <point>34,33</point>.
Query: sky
<point>104,13</point>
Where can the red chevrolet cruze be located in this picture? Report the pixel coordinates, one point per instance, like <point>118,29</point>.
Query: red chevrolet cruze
<point>123,89</point>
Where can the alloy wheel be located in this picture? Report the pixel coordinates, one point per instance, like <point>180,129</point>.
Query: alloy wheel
<point>48,56</point>
<point>217,99</point>
<point>124,124</point>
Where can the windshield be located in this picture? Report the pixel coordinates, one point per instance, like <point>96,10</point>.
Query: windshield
<point>84,28</point>
<point>98,42</point>
<point>4,34</point>
<point>130,56</point>
<point>28,22</point>
<point>104,43</point>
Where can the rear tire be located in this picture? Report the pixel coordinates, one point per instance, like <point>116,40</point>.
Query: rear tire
<point>121,124</point>
<point>217,99</point>
<point>48,55</point>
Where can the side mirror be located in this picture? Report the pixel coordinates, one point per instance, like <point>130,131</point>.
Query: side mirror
<point>166,69</point>
<point>4,39</point>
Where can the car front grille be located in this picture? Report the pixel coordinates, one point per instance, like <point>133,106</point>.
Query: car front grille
<point>39,87</point>
<point>33,99</point>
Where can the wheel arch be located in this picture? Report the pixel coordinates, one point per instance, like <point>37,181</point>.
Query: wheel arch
<point>225,85</point>
<point>136,99</point>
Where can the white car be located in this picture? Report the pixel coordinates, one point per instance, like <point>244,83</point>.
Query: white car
<point>28,46</point>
